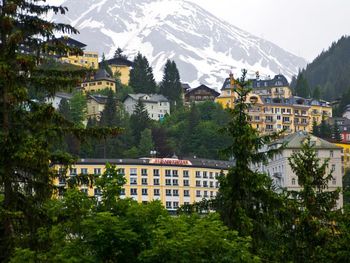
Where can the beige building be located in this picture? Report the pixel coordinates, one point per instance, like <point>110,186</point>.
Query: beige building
<point>280,171</point>
<point>95,106</point>
<point>173,181</point>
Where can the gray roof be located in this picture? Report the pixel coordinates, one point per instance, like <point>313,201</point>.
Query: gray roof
<point>202,86</point>
<point>196,162</point>
<point>64,95</point>
<point>278,81</point>
<point>102,74</point>
<point>118,62</point>
<point>295,141</point>
<point>152,97</point>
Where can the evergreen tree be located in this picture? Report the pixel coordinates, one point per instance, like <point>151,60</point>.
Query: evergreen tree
<point>311,226</point>
<point>139,120</point>
<point>336,133</point>
<point>316,94</point>
<point>64,109</point>
<point>104,65</point>
<point>28,129</point>
<point>109,113</point>
<point>146,143</point>
<point>302,88</point>
<point>141,76</point>
<point>119,53</point>
<point>315,129</point>
<point>325,130</point>
<point>171,85</point>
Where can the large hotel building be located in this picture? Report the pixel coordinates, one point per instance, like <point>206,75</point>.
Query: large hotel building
<point>173,181</point>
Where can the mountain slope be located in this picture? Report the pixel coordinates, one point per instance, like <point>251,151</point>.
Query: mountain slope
<point>331,70</point>
<point>204,47</point>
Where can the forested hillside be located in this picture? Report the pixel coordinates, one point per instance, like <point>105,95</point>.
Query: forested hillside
<point>329,72</point>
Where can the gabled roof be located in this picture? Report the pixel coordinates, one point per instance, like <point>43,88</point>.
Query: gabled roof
<point>202,86</point>
<point>151,97</point>
<point>64,95</point>
<point>101,99</point>
<point>185,86</point>
<point>102,74</point>
<point>119,62</point>
<point>295,141</point>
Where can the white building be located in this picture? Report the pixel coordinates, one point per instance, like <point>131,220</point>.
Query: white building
<point>56,100</point>
<point>156,105</point>
<point>281,172</point>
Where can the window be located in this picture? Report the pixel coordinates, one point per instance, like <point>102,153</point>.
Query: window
<point>156,181</point>
<point>61,180</point>
<point>217,184</point>
<point>175,173</point>
<point>211,193</point>
<point>155,172</point>
<point>133,191</point>
<point>205,175</point>
<point>211,175</point>
<point>144,181</point>
<point>133,180</point>
<point>133,171</point>
<point>198,183</point>
<point>293,181</point>
<point>84,171</point>
<point>211,184</point>
<point>167,172</point>
<point>198,193</point>
<point>168,204</point>
<point>186,182</point>
<point>122,191</point>
<point>144,172</point>
<point>185,173</point>
<point>84,190</point>
<point>333,167</point>
<point>186,193</point>
<point>97,170</point>
<point>216,175</point>
<point>167,192</point>
<point>121,171</point>
<point>156,192</point>
<point>167,181</point>
<point>97,192</point>
<point>331,154</point>
<point>175,182</point>
<point>175,192</point>
<point>334,180</point>
<point>198,174</point>
<point>186,203</point>
<point>205,193</point>
<point>205,184</point>
<point>176,204</point>
<point>144,191</point>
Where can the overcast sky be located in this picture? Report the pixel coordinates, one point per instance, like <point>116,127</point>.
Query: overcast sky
<point>303,27</point>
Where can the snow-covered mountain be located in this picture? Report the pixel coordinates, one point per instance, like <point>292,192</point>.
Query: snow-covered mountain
<point>204,47</point>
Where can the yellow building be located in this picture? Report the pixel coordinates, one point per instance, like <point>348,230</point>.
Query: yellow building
<point>100,81</point>
<point>172,181</point>
<point>120,66</point>
<point>274,108</point>
<point>345,156</point>
<point>88,59</point>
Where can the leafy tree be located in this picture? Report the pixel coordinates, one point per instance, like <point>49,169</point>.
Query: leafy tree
<point>109,113</point>
<point>141,76</point>
<point>78,106</point>
<point>161,142</point>
<point>311,225</point>
<point>139,120</point>
<point>171,85</point>
<point>146,143</point>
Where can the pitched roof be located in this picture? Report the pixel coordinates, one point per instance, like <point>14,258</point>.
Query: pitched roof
<point>71,42</point>
<point>152,97</point>
<point>119,62</point>
<point>202,86</point>
<point>64,95</point>
<point>185,86</point>
<point>278,81</point>
<point>295,141</point>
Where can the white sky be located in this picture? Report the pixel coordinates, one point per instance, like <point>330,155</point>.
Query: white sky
<point>303,27</point>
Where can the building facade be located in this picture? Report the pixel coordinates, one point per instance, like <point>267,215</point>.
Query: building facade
<point>281,172</point>
<point>99,81</point>
<point>172,181</point>
<point>273,108</point>
<point>200,94</point>
<point>122,67</point>
<point>156,105</point>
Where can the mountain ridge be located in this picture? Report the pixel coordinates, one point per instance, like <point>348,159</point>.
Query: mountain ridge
<point>204,47</point>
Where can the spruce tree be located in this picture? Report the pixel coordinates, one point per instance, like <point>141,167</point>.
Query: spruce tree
<point>119,53</point>
<point>302,88</point>
<point>312,224</point>
<point>141,76</point>
<point>78,107</point>
<point>171,85</point>
<point>28,129</point>
<point>336,133</point>
<point>139,120</point>
<point>109,113</point>
<point>146,143</point>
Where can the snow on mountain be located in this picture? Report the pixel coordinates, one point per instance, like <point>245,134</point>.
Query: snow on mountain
<point>204,47</point>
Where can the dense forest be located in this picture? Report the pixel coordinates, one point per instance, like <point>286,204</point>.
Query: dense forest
<point>327,76</point>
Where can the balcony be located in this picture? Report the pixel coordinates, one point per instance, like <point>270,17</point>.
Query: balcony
<point>287,122</point>
<point>270,120</point>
